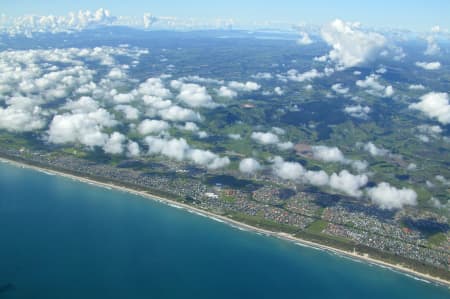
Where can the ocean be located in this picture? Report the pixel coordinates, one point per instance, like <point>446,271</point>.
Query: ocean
<point>60,238</point>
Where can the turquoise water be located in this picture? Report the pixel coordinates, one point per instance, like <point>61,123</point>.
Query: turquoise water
<point>63,239</point>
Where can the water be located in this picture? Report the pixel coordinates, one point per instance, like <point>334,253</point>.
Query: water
<point>63,239</point>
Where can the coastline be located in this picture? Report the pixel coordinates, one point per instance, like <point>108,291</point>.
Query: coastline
<point>240,225</point>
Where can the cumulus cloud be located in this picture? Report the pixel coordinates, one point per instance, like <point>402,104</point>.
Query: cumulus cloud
<point>294,75</point>
<point>287,170</point>
<point>234,136</point>
<point>284,146</point>
<point>338,88</point>
<point>432,46</point>
<point>278,91</point>
<point>434,105</point>
<point>304,39</point>
<point>416,87</point>
<point>190,126</point>
<point>73,22</point>
<point>117,74</point>
<point>374,86</point>
<point>431,131</point>
<point>429,66</point>
<point>194,95</point>
<point>262,76</point>
<point>245,87</point>
<point>85,128</point>
<point>350,45</point>
<point>133,149</point>
<point>152,126</point>
<point>21,115</point>
<point>348,183</point>
<point>123,98</point>
<point>130,112</point>
<point>265,138</point>
<point>198,79</point>
<point>344,181</point>
<point>334,154</point>
<point>328,154</point>
<point>114,145</point>
<point>388,197</point>
<point>374,150</point>
<point>249,166</point>
<point>154,87</point>
<point>180,150</point>
<point>358,111</point>
<point>226,92</point>
<point>177,113</point>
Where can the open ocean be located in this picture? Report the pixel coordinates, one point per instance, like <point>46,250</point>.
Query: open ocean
<point>64,239</point>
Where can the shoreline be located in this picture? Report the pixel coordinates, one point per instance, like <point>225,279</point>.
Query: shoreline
<point>240,225</point>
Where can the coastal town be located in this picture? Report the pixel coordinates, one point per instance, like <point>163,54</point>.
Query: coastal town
<point>280,207</point>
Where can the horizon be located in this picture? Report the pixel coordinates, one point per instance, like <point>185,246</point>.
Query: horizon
<point>420,17</point>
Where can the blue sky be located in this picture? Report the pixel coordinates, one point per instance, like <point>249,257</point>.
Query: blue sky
<point>412,14</point>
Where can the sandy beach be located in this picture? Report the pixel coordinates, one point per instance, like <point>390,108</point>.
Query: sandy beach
<point>240,225</point>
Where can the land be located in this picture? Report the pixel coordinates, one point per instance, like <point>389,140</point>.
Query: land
<point>307,113</point>
<point>246,223</point>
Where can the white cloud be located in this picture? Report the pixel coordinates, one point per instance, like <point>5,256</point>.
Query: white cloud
<point>372,84</point>
<point>85,128</point>
<point>179,149</point>
<point>328,154</point>
<point>226,92</point>
<point>316,178</point>
<point>429,66</point>
<point>133,149</point>
<point>117,74</point>
<point>190,126</point>
<point>265,138</point>
<point>343,182</point>
<point>177,113</point>
<point>114,145</point>
<point>249,166</point>
<point>152,126</point>
<point>278,130</point>
<point>80,20</point>
<point>82,105</point>
<point>23,117</point>
<point>123,98</point>
<point>174,148</point>
<point>351,46</point>
<point>432,46</point>
<point>430,130</point>
<point>416,87</point>
<point>387,197</point>
<point>154,87</point>
<point>374,150</point>
<point>278,91</point>
<point>370,81</point>
<point>287,170</point>
<point>348,183</point>
<point>195,96</point>
<point>234,136</point>
<point>358,111</point>
<point>198,79</point>
<point>246,87</point>
<point>389,91</point>
<point>262,76</point>
<point>284,146</point>
<point>130,112</point>
<point>149,20</point>
<point>304,39</point>
<point>434,105</point>
<point>294,75</point>
<point>338,88</point>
